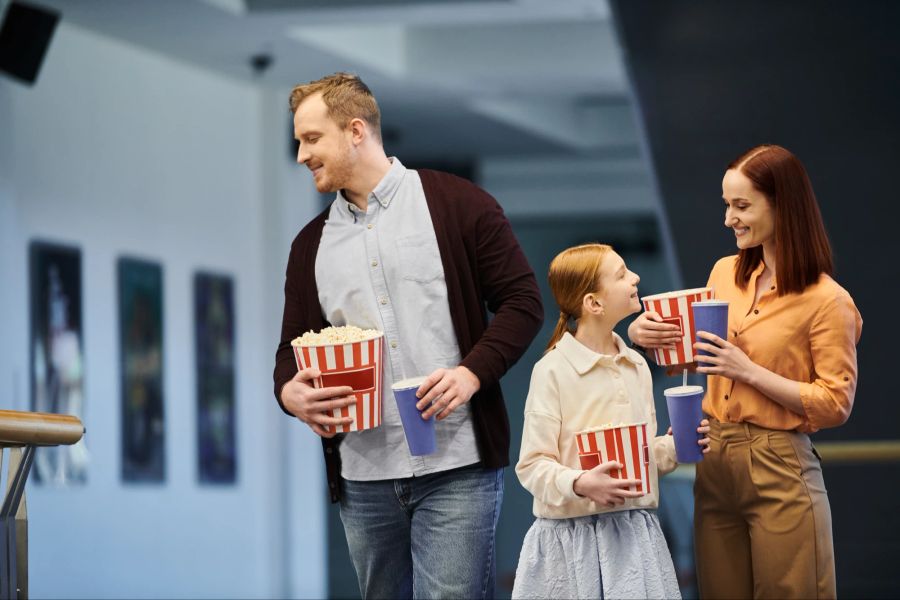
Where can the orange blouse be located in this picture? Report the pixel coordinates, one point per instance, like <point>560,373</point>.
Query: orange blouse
<point>808,337</point>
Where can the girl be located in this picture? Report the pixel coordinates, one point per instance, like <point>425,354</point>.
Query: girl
<point>788,368</point>
<point>593,537</point>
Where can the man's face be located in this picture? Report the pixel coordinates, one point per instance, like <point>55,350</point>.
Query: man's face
<point>325,148</point>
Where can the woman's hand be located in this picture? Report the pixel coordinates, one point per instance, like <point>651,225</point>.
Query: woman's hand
<point>599,486</point>
<point>727,360</point>
<point>649,331</point>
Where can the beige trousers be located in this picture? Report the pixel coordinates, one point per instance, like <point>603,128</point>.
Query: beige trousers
<point>762,523</point>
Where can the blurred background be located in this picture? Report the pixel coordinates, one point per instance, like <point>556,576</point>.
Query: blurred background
<point>149,195</point>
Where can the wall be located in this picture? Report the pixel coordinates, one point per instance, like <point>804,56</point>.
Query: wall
<point>120,151</point>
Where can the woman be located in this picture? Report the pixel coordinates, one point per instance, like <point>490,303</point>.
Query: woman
<point>762,522</point>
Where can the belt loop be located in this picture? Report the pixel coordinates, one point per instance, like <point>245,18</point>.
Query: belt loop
<point>747,430</point>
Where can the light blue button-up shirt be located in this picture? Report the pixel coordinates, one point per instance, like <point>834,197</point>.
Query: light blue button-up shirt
<point>381,269</point>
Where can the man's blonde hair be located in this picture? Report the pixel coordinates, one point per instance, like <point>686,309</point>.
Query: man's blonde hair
<point>346,97</point>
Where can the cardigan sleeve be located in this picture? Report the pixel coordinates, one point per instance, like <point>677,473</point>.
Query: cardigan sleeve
<point>302,311</point>
<point>510,290</point>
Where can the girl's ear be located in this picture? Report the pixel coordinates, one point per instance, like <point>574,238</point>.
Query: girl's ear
<point>591,304</point>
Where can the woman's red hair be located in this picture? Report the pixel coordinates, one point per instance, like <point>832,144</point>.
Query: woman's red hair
<point>802,250</point>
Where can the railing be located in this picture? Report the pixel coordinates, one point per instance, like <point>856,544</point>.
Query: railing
<point>22,432</point>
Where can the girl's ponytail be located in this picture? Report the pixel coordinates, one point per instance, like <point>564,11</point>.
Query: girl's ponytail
<point>562,326</point>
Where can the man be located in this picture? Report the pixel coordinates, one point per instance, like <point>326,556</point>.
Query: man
<point>421,256</point>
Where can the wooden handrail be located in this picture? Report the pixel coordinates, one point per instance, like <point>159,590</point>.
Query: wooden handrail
<point>18,428</point>
<point>874,451</point>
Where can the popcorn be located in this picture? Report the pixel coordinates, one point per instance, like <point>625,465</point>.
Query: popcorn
<point>346,356</point>
<point>626,444</point>
<point>344,334</point>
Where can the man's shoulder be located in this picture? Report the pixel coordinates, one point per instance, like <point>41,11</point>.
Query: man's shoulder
<point>312,231</point>
<point>441,185</point>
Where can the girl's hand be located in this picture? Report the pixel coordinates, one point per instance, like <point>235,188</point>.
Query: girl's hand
<point>703,429</point>
<point>597,485</point>
<point>649,331</point>
<point>727,359</point>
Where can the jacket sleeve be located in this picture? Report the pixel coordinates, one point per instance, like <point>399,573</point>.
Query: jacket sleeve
<point>292,325</point>
<point>510,291</point>
<point>833,336</point>
<point>663,445</point>
<point>539,468</point>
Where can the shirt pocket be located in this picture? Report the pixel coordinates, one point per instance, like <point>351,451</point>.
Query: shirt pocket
<point>419,258</point>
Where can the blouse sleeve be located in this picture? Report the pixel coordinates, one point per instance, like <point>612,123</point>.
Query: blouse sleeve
<point>833,336</point>
<point>663,445</point>
<point>539,468</point>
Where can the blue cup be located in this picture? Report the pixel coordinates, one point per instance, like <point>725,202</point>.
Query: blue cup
<point>711,316</point>
<point>685,404</point>
<point>419,432</point>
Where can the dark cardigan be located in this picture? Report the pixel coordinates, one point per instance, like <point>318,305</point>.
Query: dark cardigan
<point>485,270</point>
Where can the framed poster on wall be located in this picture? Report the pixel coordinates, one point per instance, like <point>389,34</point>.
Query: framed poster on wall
<point>57,353</point>
<point>214,348</point>
<point>141,347</point>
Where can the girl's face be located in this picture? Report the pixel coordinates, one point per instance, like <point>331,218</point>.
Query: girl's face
<point>619,295</point>
<point>747,211</point>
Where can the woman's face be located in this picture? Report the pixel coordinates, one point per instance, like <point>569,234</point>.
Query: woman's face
<point>747,211</point>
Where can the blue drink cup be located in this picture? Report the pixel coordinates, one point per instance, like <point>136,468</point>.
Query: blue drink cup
<point>711,316</point>
<point>685,404</point>
<point>419,432</point>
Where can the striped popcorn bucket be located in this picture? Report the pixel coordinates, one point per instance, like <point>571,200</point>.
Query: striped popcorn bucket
<point>625,444</point>
<point>675,308</point>
<point>355,364</point>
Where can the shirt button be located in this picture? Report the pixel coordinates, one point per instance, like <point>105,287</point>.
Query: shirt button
<point>616,375</point>
<point>369,226</point>
<point>393,344</point>
<point>726,396</point>
<point>329,450</point>
<point>846,379</point>
<point>621,392</point>
<point>756,312</point>
<point>772,288</point>
<point>374,263</point>
<point>734,333</point>
<point>331,484</point>
<point>383,300</point>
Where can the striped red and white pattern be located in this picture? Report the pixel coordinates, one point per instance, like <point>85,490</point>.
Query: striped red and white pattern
<point>675,307</point>
<point>625,444</point>
<point>357,364</point>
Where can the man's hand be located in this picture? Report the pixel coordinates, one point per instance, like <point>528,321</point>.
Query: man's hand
<point>649,331</point>
<point>445,390</point>
<point>313,406</point>
<point>603,489</point>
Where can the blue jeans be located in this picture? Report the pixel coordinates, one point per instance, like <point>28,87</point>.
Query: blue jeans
<point>424,537</point>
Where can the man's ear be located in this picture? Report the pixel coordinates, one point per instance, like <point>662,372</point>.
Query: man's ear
<point>358,130</point>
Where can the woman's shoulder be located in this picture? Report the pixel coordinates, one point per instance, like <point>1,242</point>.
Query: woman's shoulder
<point>725,265</point>
<point>827,292</point>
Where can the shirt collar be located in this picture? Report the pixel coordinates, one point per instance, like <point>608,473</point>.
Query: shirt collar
<point>383,193</point>
<point>583,359</point>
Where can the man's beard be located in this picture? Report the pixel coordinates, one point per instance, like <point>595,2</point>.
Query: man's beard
<point>337,174</point>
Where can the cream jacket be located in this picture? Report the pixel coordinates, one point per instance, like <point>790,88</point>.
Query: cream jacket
<point>572,389</point>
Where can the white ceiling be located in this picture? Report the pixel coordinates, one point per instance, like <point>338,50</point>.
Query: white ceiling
<point>456,79</point>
